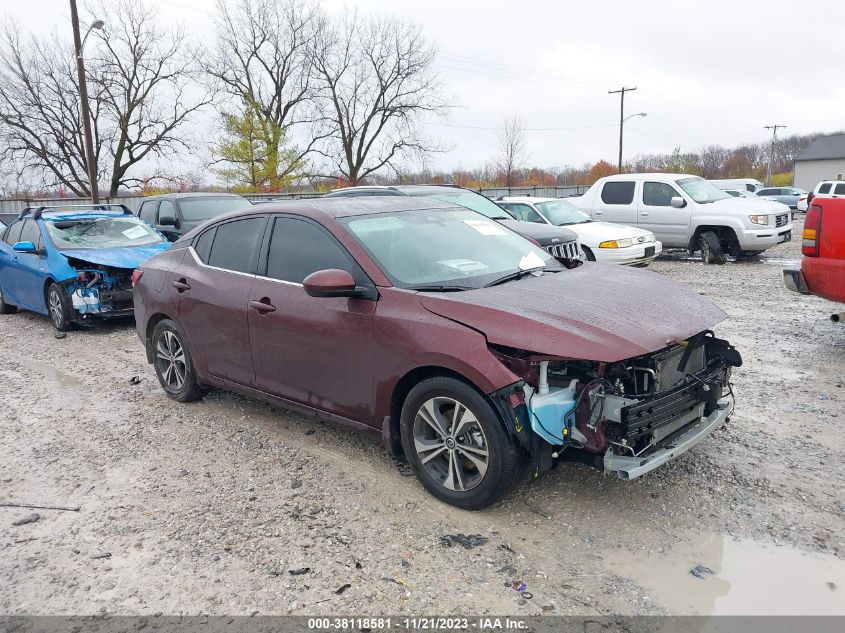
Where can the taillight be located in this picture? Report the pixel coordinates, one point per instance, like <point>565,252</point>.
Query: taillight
<point>136,276</point>
<point>812,231</point>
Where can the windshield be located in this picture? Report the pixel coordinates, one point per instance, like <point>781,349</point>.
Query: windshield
<point>702,191</point>
<point>451,247</point>
<point>197,209</point>
<point>118,232</point>
<point>561,213</point>
<point>471,200</point>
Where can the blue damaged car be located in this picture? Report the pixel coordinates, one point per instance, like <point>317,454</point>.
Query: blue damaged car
<point>74,262</point>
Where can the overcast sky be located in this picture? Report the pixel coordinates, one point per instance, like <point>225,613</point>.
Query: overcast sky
<point>706,72</point>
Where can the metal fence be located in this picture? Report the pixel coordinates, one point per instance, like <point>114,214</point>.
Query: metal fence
<point>10,208</point>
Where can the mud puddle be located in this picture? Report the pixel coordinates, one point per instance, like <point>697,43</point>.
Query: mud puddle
<point>736,577</point>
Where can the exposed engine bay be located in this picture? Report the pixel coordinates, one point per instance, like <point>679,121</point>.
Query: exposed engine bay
<point>620,412</point>
<point>98,289</point>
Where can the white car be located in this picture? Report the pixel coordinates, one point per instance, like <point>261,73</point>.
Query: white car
<point>600,241</point>
<point>686,211</point>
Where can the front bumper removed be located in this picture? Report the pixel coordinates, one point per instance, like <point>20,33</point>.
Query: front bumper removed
<point>630,467</point>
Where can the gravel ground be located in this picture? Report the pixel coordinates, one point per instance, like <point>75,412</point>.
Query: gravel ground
<point>230,506</point>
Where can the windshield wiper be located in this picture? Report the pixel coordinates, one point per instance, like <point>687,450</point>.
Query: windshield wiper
<point>440,288</point>
<point>514,276</point>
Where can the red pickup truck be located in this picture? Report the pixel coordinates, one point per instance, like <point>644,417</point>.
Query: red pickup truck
<point>822,271</point>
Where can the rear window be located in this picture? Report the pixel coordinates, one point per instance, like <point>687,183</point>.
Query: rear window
<point>236,245</point>
<point>618,192</point>
<point>198,209</point>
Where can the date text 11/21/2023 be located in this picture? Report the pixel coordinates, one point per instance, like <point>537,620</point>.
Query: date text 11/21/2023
<point>416,623</point>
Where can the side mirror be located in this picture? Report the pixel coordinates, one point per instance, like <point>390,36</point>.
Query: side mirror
<point>678,202</point>
<point>167,220</point>
<point>25,247</point>
<point>330,283</point>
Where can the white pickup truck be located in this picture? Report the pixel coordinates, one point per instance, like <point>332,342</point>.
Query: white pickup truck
<point>685,211</point>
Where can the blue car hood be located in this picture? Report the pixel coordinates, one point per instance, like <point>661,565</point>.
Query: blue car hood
<point>128,257</point>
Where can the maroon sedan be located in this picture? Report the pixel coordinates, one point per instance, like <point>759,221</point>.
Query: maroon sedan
<point>461,344</point>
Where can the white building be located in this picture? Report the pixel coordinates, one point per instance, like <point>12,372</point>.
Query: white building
<point>824,159</point>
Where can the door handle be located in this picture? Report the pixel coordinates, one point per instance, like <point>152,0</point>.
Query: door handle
<point>262,306</point>
<point>643,212</point>
<point>181,285</point>
<point>597,212</point>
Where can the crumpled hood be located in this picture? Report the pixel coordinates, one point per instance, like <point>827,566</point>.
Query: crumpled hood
<point>593,312</point>
<point>129,257</point>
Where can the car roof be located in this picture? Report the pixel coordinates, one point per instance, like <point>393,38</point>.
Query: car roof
<point>408,190</point>
<point>648,174</point>
<point>526,199</point>
<point>341,207</point>
<point>193,194</point>
<point>59,216</point>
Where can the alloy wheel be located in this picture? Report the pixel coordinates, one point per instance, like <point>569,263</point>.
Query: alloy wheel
<point>451,444</point>
<point>57,312</point>
<point>170,360</point>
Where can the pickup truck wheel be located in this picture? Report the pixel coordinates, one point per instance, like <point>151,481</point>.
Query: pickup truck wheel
<point>58,307</point>
<point>6,308</point>
<point>456,444</point>
<point>711,248</point>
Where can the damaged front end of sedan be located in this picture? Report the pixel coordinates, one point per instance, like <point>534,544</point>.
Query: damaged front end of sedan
<point>98,290</point>
<point>624,417</point>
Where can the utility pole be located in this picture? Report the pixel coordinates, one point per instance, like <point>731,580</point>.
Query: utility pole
<point>90,159</point>
<point>774,128</point>
<point>621,92</point>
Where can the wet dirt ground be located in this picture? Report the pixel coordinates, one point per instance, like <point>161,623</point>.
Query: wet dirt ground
<point>229,506</point>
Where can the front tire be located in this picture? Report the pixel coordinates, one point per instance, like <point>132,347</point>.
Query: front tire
<point>58,308</point>
<point>173,364</point>
<point>711,248</point>
<point>457,445</point>
<point>6,308</point>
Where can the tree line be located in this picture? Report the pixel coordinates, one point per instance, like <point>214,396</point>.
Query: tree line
<point>299,94</point>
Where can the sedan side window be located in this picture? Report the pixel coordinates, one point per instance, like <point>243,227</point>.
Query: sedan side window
<point>299,248</point>
<point>618,192</point>
<point>236,245</point>
<point>525,213</point>
<point>13,233</point>
<point>202,245</point>
<point>30,232</point>
<point>658,194</point>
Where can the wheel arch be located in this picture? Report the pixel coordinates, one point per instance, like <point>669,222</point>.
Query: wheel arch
<point>152,322</point>
<point>726,234</point>
<point>391,431</point>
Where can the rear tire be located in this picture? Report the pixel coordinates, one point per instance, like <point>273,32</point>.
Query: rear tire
<point>59,308</point>
<point>6,308</point>
<point>457,445</point>
<point>711,248</point>
<point>173,364</point>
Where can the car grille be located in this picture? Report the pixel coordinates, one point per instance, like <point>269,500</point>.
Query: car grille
<point>566,250</point>
<point>782,220</point>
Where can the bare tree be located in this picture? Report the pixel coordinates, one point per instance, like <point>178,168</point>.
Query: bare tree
<point>140,93</point>
<point>376,81</point>
<point>511,149</point>
<point>145,86</point>
<point>261,59</point>
<point>40,109</point>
